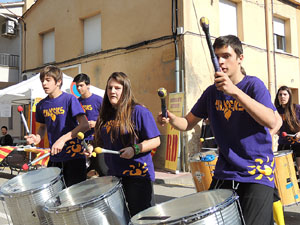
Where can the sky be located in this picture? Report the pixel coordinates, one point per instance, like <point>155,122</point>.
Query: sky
<point>5,1</point>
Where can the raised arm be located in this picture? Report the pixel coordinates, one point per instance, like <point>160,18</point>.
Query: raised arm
<point>179,123</point>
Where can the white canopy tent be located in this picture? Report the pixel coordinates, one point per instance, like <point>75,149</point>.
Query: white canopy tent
<point>26,91</point>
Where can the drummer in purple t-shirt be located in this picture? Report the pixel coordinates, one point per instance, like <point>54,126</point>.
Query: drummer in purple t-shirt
<point>91,104</point>
<point>128,127</point>
<point>61,115</point>
<point>241,114</point>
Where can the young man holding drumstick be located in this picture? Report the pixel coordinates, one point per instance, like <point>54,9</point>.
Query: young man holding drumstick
<point>241,113</point>
<point>61,115</point>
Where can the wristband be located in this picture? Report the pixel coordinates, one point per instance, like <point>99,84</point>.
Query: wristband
<point>136,149</point>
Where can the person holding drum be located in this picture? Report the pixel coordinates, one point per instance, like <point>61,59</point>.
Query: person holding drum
<point>241,112</point>
<point>290,114</point>
<point>61,115</point>
<point>126,126</point>
<point>91,104</point>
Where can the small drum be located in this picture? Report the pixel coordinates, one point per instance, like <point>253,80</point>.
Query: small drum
<point>202,169</point>
<point>95,201</point>
<point>285,178</point>
<point>26,194</point>
<point>218,206</point>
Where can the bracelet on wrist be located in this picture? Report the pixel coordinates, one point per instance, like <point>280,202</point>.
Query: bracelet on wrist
<point>136,149</point>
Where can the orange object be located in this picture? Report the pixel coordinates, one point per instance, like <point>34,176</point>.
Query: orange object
<point>202,173</point>
<point>285,178</point>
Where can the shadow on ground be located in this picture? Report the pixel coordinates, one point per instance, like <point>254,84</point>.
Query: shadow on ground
<point>291,218</point>
<point>6,175</point>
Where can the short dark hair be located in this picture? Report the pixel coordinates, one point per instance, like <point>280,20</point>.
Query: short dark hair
<point>229,40</point>
<point>4,127</point>
<point>82,77</point>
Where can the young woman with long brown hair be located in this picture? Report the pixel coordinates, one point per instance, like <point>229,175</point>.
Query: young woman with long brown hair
<point>290,114</point>
<point>126,126</point>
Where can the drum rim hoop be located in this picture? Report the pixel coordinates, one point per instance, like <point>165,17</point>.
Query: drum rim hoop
<point>77,207</point>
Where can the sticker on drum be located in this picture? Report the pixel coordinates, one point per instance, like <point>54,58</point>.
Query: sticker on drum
<point>95,201</point>
<point>209,207</point>
<point>202,170</point>
<point>26,194</point>
<point>285,178</point>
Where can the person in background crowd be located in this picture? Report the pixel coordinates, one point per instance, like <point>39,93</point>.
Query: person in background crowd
<point>91,104</point>
<point>61,115</point>
<point>128,127</point>
<point>6,139</point>
<point>241,113</point>
<point>290,114</point>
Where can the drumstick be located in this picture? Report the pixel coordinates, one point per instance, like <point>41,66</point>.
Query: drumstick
<point>162,93</point>
<point>284,134</point>
<point>205,139</point>
<point>99,150</point>
<point>80,136</point>
<point>20,110</point>
<point>26,166</point>
<point>205,27</point>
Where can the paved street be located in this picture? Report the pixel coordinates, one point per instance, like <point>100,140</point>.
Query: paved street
<point>167,186</point>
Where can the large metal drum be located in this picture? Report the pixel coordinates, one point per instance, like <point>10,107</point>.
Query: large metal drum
<point>95,201</point>
<point>207,207</point>
<point>26,194</point>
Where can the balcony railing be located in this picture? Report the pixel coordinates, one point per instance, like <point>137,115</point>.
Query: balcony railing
<point>9,60</point>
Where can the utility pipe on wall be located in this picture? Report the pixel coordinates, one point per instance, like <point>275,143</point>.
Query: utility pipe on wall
<point>269,42</point>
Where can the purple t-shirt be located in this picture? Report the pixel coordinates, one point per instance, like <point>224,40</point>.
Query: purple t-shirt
<point>59,115</point>
<point>245,146</point>
<point>91,106</point>
<point>285,128</point>
<point>140,165</point>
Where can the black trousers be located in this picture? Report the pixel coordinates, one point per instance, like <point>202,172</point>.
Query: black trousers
<point>256,200</point>
<point>74,171</point>
<point>138,193</point>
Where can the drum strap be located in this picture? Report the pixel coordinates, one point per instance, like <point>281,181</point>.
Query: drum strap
<point>235,187</point>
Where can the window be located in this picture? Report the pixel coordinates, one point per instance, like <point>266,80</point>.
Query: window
<point>92,34</point>
<point>228,18</point>
<point>48,47</point>
<point>279,34</point>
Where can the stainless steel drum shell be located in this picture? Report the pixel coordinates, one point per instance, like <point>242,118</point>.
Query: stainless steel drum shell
<point>207,207</point>
<point>26,194</point>
<point>94,201</point>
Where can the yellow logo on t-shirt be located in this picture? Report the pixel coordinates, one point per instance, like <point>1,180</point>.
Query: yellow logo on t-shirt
<point>228,106</point>
<point>138,170</point>
<point>53,112</point>
<point>87,107</point>
<point>263,169</point>
<point>109,124</point>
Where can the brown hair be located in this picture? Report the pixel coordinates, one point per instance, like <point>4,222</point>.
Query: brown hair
<point>123,122</point>
<point>52,71</point>
<point>289,110</point>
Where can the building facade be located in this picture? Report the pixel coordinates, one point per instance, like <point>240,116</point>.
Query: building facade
<point>161,44</point>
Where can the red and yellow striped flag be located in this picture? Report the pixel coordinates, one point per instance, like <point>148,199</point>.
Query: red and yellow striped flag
<point>40,152</point>
<point>5,151</point>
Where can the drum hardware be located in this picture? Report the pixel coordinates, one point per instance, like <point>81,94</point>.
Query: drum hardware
<point>211,149</point>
